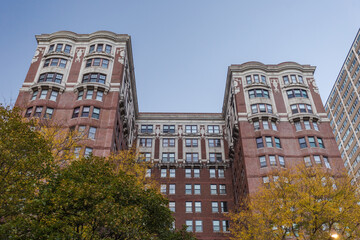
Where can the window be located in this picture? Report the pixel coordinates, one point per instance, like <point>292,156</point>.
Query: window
<point>28,112</point>
<point>67,48</point>
<point>262,160</point>
<point>89,94</point>
<point>197,189</point>
<point>145,142</point>
<point>49,112</point>
<point>317,159</point>
<point>326,161</point>
<point>148,173</point>
<point>302,142</point>
<point>85,111</point>
<point>268,141</point>
<point>225,225</point>
<point>104,63</point>
<point>259,142</point>
<point>43,94</point>
<point>77,152</point>
<point>94,77</point>
<point>163,188</point>
<point>266,179</point>
<point>190,129</point>
<point>34,95</point>
<point>50,77</point>
<point>99,95</point>
<point>198,226</point>
<point>215,157</point>
<point>189,225</point>
<point>171,188</point>
<point>169,129</point>
<point>198,207</point>
<point>320,142</point>
<point>307,125</point>
<point>172,172</point>
<point>53,95</point>
<point>188,207</point>
<point>273,125</point>
<point>196,172</point>
<point>216,226</point>
<point>312,142</point>
<point>265,125</point>
<point>307,161</point>
<point>214,207</point>
<point>168,142</point>
<point>191,142</point>
<point>188,189</point>
<point>108,49</point>
<point>272,160</point>
<point>88,151</point>
<point>100,48</point>
<point>224,207</point>
<point>188,172</point>
<point>221,173</point>
<point>214,143</point>
<point>76,112</point>
<point>145,156</point>
<point>286,80</point>
<point>80,95</point>
<point>213,129</point>
<point>59,47</point>
<point>168,157</point>
<point>281,161</point>
<point>316,126</point>
<point>213,189</point>
<point>38,111</point>
<point>256,125</point>
<point>163,173</point>
<point>212,172</point>
<point>297,125</point>
<point>262,108</point>
<point>192,157</point>
<point>222,188</point>
<point>297,93</point>
<point>172,206</point>
<point>96,113</point>
<point>301,108</point>
<point>146,128</point>
<point>277,142</point>
<point>258,93</point>
<point>55,62</point>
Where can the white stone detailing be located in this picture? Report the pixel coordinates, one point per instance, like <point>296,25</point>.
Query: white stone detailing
<point>157,131</point>
<point>121,58</point>
<point>237,83</point>
<point>37,52</point>
<point>79,53</point>
<point>313,83</point>
<point>180,131</point>
<point>275,84</point>
<point>202,132</point>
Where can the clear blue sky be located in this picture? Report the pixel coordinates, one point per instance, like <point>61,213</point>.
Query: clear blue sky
<point>182,48</point>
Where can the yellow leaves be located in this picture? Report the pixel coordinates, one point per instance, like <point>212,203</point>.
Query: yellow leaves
<point>303,203</point>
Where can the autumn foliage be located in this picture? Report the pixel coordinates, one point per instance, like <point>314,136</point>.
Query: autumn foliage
<point>47,192</point>
<point>307,203</point>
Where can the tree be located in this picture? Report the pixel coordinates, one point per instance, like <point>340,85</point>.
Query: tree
<point>302,203</point>
<point>25,163</point>
<point>86,198</point>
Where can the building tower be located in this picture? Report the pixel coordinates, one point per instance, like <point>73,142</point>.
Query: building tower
<point>342,107</point>
<point>272,117</point>
<point>84,82</point>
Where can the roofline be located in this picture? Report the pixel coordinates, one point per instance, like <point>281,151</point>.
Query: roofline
<point>180,116</point>
<point>342,66</point>
<point>272,68</point>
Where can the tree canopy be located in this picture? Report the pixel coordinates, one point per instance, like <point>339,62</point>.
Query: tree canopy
<point>86,198</point>
<point>302,203</point>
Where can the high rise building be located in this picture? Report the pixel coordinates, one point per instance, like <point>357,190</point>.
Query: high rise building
<point>272,117</point>
<point>342,107</point>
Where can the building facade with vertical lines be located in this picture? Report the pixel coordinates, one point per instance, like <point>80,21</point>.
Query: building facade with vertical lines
<point>206,163</point>
<point>342,107</point>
